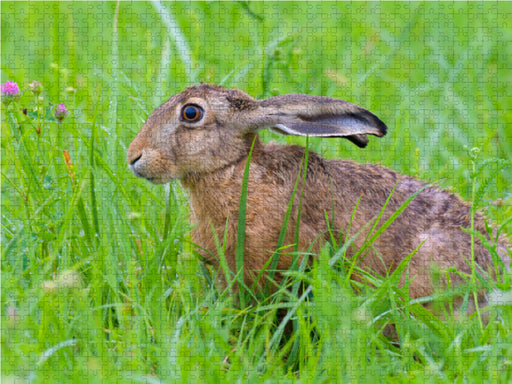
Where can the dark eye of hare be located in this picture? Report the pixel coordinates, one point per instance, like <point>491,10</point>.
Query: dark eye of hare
<point>191,112</point>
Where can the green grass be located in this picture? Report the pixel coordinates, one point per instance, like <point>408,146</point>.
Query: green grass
<point>99,280</point>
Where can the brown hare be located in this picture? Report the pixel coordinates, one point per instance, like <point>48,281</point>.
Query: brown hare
<point>203,135</point>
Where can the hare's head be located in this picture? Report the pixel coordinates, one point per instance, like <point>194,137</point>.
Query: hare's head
<point>208,127</point>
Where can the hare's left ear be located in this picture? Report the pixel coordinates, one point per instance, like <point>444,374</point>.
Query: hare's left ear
<point>303,115</point>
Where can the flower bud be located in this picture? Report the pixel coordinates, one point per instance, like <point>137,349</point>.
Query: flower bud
<point>36,87</point>
<point>61,112</point>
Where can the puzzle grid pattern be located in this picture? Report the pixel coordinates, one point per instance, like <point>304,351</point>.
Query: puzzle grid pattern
<point>349,62</point>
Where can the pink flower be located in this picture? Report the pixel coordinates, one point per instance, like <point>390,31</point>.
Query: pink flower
<point>61,112</point>
<point>10,92</point>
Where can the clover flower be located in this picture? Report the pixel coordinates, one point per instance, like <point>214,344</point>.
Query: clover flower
<point>10,92</point>
<point>36,87</point>
<point>61,112</point>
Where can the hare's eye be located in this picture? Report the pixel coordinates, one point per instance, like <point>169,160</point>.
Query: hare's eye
<point>192,113</point>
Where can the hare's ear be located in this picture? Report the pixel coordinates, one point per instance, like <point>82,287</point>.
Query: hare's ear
<point>303,115</point>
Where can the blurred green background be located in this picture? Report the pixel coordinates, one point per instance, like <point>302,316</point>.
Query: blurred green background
<point>439,74</point>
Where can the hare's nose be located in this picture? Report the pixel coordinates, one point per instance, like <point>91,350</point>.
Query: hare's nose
<point>133,157</point>
<point>134,153</point>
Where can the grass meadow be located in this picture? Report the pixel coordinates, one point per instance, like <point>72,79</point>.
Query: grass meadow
<point>100,283</point>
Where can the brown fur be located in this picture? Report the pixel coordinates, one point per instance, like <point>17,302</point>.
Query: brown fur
<point>209,157</point>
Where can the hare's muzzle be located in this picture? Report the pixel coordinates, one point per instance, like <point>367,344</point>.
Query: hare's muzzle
<point>149,163</point>
<point>133,158</point>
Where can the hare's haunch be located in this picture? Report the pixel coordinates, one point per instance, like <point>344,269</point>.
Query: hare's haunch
<point>203,135</point>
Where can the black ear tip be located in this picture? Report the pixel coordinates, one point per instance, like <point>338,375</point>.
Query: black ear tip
<point>383,128</point>
<point>376,122</point>
<point>372,125</point>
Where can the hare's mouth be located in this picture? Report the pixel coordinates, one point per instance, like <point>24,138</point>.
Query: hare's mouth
<point>149,176</point>
<point>150,165</point>
<point>159,180</point>
<point>154,179</point>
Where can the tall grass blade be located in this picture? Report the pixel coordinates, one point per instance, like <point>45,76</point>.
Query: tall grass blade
<point>284,226</point>
<point>114,82</point>
<point>388,222</point>
<point>174,32</point>
<point>66,221</point>
<point>167,218</point>
<point>92,184</point>
<point>299,209</point>
<point>240,239</point>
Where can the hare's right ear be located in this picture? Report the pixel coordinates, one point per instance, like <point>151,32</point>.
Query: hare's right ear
<point>303,115</point>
